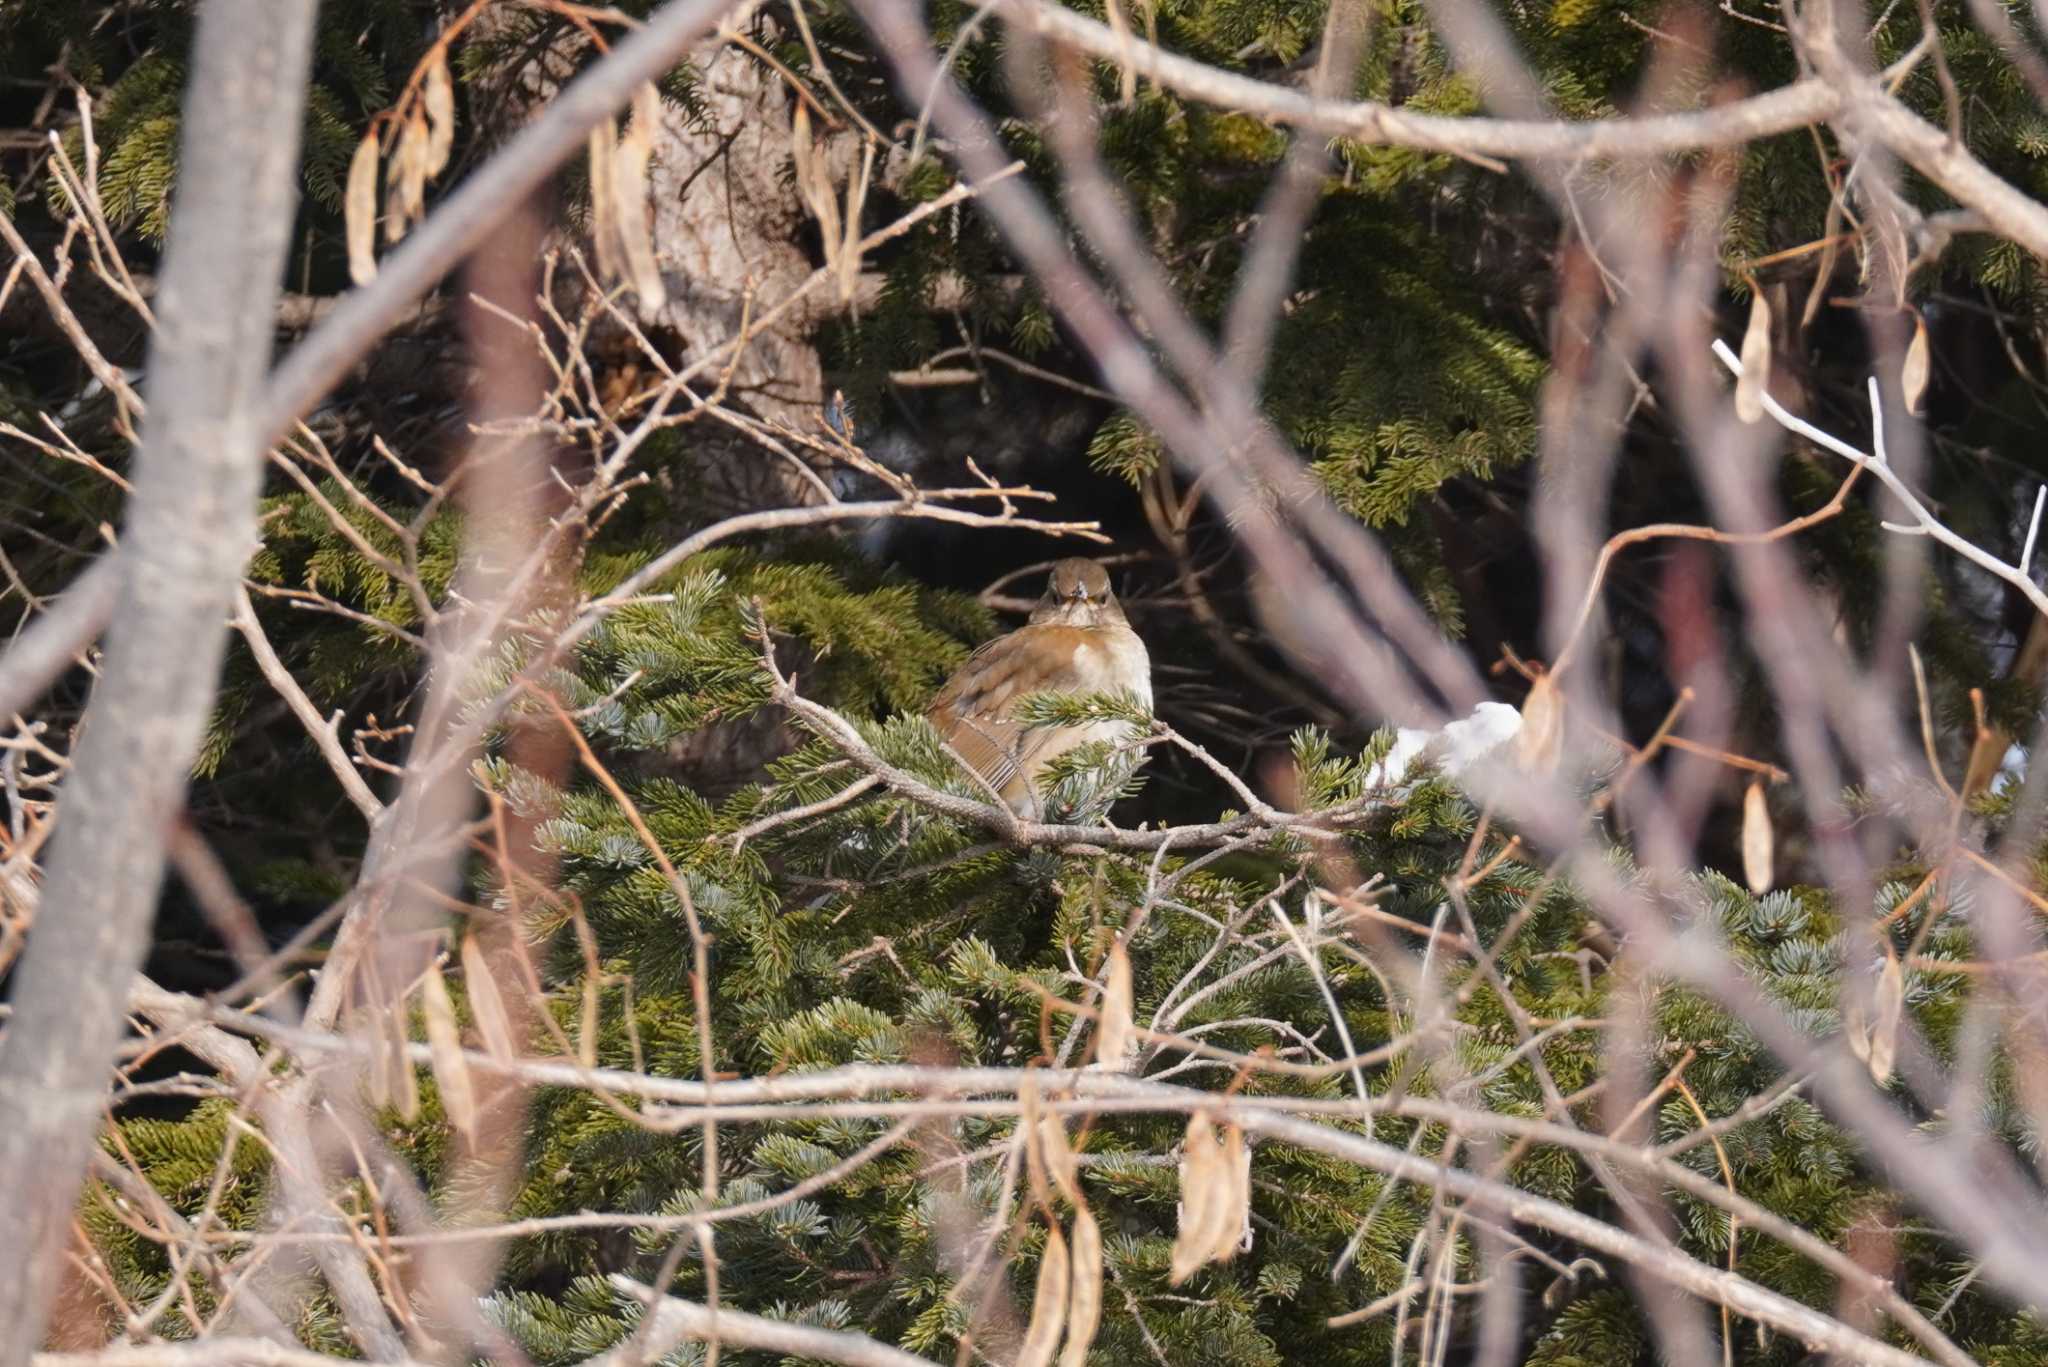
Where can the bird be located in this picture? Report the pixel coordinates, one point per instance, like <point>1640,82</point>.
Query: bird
<point>1077,641</point>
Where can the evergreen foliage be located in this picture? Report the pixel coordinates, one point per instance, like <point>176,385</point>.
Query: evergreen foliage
<point>1407,371</point>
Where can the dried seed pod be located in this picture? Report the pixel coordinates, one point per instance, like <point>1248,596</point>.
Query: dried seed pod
<point>1757,839</point>
<point>1203,1189</point>
<point>1884,1029</point>
<point>438,96</point>
<point>1856,1028</point>
<point>800,146</point>
<point>1540,742</point>
<point>1057,1155</point>
<point>1084,1300</point>
<point>359,210</point>
<point>856,201</point>
<point>1917,367</point>
<point>604,232</point>
<point>1234,1212</point>
<point>409,171</point>
<point>378,1080</point>
<point>394,207</point>
<point>1048,1304</point>
<point>629,203</point>
<point>814,184</point>
<point>1755,379</point>
<point>404,1080</point>
<point>444,1046</point>
<point>1116,1031</point>
<point>493,1022</point>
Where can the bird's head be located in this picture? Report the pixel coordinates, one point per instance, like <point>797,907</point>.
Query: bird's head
<point>1078,595</point>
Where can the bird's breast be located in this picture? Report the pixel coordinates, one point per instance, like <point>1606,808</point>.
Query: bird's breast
<point>1117,659</point>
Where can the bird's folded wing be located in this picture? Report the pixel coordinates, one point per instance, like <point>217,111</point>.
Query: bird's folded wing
<point>973,712</point>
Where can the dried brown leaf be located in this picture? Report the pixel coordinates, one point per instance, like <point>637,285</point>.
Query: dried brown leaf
<point>1916,369</point>
<point>1048,1304</point>
<point>629,203</point>
<point>438,96</point>
<point>1204,1189</point>
<point>1755,379</point>
<point>1541,740</point>
<point>1084,1301</point>
<point>1116,1033</point>
<point>359,210</point>
<point>493,1022</point>
<point>444,1049</point>
<point>1758,839</point>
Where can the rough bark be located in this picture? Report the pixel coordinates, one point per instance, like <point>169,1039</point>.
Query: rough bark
<point>737,226</point>
<point>188,529</point>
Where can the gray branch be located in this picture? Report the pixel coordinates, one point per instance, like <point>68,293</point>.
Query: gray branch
<point>187,531</point>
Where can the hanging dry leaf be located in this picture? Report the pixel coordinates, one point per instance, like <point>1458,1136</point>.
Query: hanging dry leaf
<point>849,250</point>
<point>1755,379</point>
<point>1541,740</point>
<point>1884,1028</point>
<point>378,1081</point>
<point>1918,365</point>
<point>1084,1302</point>
<point>359,210</point>
<point>1048,1305</point>
<point>439,98</point>
<point>1203,1190</point>
<point>1233,1212</point>
<point>1057,1155</point>
<point>383,1029</point>
<point>405,1081</point>
<point>1116,1034</point>
<point>1856,1028</point>
<point>394,206</point>
<point>444,1047</point>
<point>814,184</point>
<point>1757,839</point>
<point>1127,83</point>
<point>1824,274</point>
<point>1033,1134</point>
<point>629,203</point>
<point>800,145</point>
<point>604,232</point>
<point>493,1022</point>
<point>409,171</point>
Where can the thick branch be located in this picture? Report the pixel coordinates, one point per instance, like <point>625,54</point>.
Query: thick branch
<point>677,1319</point>
<point>1795,106</point>
<point>188,529</point>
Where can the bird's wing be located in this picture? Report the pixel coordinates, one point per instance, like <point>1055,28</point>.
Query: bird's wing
<point>973,712</point>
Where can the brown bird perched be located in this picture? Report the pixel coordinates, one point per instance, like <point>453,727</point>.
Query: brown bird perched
<point>1077,641</point>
